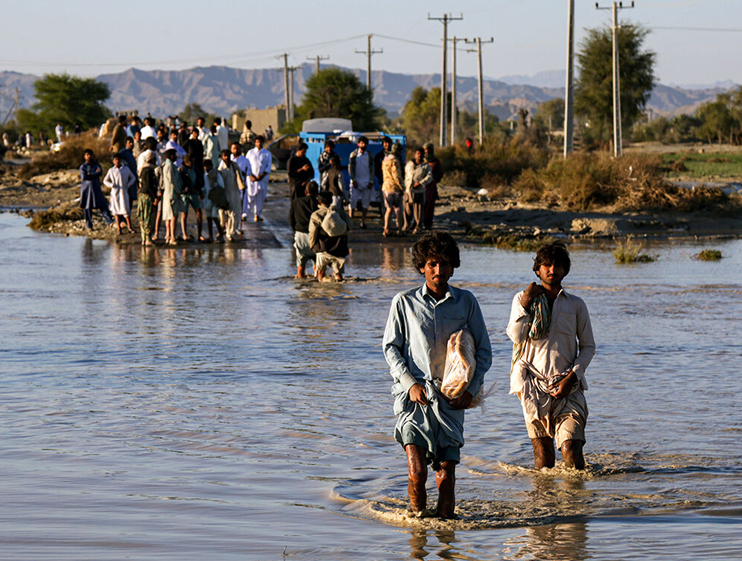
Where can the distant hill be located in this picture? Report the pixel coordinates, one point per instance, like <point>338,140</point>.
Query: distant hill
<point>222,90</point>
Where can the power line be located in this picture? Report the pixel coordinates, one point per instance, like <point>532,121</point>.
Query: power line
<point>713,29</point>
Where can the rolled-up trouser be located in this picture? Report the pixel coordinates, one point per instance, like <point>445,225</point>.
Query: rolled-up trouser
<point>302,249</point>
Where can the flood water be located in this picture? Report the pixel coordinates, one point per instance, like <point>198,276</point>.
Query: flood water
<point>201,404</point>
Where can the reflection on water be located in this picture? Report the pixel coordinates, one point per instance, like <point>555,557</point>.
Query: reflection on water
<point>198,402</point>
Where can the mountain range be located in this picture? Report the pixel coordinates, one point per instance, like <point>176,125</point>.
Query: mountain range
<point>223,90</point>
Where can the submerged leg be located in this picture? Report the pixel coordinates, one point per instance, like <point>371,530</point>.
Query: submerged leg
<point>445,478</point>
<point>544,454</point>
<point>572,454</point>
<point>417,469</point>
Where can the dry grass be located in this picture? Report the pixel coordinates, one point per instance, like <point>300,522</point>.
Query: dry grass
<point>629,251</point>
<point>70,156</point>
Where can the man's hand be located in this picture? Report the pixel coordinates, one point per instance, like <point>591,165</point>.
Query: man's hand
<point>531,293</point>
<point>418,395</point>
<point>563,388</point>
<point>462,402</point>
<point>253,178</point>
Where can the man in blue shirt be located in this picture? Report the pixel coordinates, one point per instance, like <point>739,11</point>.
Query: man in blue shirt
<point>421,321</point>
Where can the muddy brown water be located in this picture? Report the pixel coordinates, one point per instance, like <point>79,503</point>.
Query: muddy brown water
<point>198,403</point>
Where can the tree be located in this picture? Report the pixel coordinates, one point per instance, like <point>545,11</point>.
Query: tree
<point>192,111</point>
<point>594,85</point>
<point>65,99</point>
<point>550,114</point>
<point>333,92</point>
<point>421,115</point>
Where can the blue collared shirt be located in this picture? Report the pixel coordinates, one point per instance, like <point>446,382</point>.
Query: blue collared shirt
<point>418,330</point>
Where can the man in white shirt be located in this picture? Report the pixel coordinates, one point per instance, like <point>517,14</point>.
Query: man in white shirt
<point>258,178</point>
<point>148,129</point>
<point>59,131</point>
<point>243,165</point>
<point>222,133</point>
<point>552,346</point>
<point>361,170</point>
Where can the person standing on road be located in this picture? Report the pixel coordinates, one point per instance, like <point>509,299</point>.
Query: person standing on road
<point>361,170</point>
<point>431,189</point>
<point>91,194</point>
<point>300,171</point>
<point>258,178</point>
<point>417,176</point>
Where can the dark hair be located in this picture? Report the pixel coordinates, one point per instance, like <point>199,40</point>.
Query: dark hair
<point>89,151</point>
<point>186,159</point>
<point>435,244</point>
<point>208,163</point>
<point>362,139</point>
<point>386,139</point>
<point>170,152</point>
<point>248,124</point>
<point>329,143</point>
<point>325,197</point>
<point>260,137</point>
<point>151,143</point>
<point>122,118</point>
<point>217,120</point>
<point>301,146</point>
<point>312,188</point>
<point>335,160</point>
<point>554,253</point>
<point>225,153</point>
<point>213,129</point>
<point>235,143</point>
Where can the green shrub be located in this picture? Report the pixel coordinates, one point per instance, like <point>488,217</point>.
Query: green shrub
<point>709,255</point>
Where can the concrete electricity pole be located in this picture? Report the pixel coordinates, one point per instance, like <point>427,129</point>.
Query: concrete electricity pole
<point>291,91</point>
<point>444,94</point>
<point>478,41</point>
<point>318,58</point>
<point>287,93</point>
<point>617,139</point>
<point>453,90</point>
<point>368,52</point>
<point>569,97</point>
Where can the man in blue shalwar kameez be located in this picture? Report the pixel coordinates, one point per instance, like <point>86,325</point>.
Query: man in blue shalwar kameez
<point>91,195</point>
<point>421,320</point>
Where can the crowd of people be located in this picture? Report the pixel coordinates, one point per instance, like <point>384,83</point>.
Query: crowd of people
<point>172,168</point>
<point>408,194</point>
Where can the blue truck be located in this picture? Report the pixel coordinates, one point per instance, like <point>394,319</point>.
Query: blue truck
<point>316,131</point>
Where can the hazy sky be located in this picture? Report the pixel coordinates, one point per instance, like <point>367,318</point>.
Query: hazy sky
<point>89,37</point>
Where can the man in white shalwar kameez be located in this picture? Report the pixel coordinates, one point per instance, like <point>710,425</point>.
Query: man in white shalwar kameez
<point>257,183</point>
<point>119,178</point>
<point>243,165</point>
<point>553,346</point>
<point>232,182</point>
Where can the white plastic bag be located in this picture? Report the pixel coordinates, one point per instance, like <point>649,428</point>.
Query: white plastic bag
<point>460,364</point>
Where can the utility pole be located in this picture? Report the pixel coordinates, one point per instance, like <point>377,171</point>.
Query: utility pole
<point>617,140</point>
<point>569,96</point>
<point>285,57</point>
<point>291,91</point>
<point>453,90</point>
<point>478,41</point>
<point>318,58</point>
<point>368,52</point>
<point>444,113</point>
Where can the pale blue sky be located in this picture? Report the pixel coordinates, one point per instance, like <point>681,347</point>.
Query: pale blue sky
<point>89,37</point>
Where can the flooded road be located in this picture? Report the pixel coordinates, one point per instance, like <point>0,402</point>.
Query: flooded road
<point>199,403</point>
